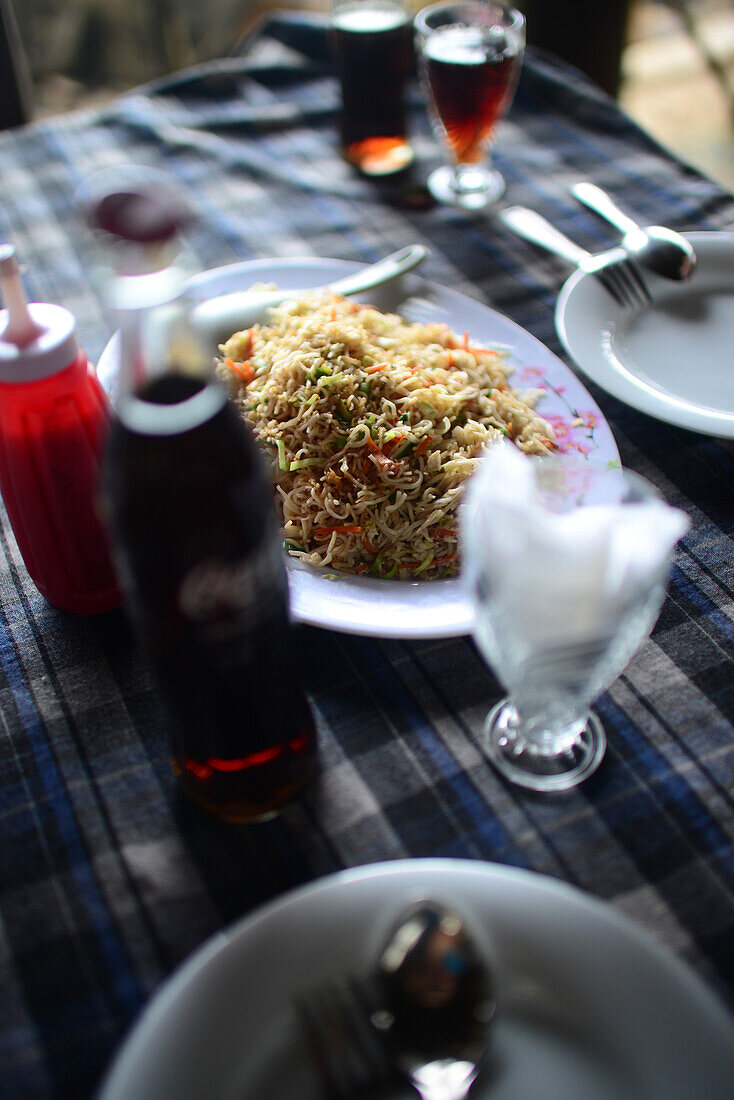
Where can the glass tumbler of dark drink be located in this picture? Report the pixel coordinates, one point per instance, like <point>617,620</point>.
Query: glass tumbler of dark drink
<point>373,46</point>
<point>470,53</point>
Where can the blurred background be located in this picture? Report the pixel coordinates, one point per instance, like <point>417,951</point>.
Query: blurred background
<point>669,62</point>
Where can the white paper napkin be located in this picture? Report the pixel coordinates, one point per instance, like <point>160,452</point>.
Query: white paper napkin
<point>564,573</point>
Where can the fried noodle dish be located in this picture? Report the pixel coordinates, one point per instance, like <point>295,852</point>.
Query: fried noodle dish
<point>373,425</point>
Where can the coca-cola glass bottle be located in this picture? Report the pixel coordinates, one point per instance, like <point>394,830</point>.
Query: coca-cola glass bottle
<point>191,515</point>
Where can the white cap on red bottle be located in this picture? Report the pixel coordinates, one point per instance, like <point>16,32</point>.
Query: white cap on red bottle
<point>36,340</point>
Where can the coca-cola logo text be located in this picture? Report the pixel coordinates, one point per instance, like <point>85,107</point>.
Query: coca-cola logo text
<point>215,586</point>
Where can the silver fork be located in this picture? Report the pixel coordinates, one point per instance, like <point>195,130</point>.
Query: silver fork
<point>347,1050</point>
<point>618,274</point>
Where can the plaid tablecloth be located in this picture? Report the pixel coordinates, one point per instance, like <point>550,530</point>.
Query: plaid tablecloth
<point>106,880</point>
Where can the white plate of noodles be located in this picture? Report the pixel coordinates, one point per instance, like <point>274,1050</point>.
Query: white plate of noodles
<point>374,411</point>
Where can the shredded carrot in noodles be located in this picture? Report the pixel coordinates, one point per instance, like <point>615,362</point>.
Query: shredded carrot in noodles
<point>372,426</point>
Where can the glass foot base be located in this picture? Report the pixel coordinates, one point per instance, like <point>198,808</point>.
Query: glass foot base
<point>479,187</point>
<point>526,764</point>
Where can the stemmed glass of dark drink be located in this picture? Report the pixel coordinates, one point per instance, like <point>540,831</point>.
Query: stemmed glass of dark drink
<point>470,53</point>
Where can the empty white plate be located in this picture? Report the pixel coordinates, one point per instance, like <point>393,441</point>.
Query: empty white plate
<point>673,359</point>
<point>590,1008</point>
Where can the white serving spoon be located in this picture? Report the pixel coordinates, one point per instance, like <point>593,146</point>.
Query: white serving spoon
<point>217,318</point>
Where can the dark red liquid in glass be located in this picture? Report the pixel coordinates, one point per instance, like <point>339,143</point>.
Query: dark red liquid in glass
<point>470,93</point>
<point>374,57</point>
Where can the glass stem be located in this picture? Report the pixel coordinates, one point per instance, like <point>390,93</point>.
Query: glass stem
<point>551,733</point>
<point>469,178</point>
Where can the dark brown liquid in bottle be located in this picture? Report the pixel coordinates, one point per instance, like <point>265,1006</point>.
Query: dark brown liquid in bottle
<point>139,216</point>
<point>192,516</point>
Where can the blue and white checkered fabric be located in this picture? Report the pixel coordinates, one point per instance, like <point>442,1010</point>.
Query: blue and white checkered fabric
<point>106,880</point>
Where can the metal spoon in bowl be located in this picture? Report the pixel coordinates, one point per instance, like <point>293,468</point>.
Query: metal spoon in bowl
<point>217,318</point>
<point>436,1002</point>
<point>661,250</point>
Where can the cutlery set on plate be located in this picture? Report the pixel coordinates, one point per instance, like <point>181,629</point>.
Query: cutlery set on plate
<point>660,250</point>
<point>422,1018</point>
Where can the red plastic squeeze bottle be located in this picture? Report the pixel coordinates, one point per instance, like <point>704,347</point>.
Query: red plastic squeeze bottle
<point>53,424</point>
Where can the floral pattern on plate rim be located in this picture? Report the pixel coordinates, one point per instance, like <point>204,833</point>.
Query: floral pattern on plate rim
<point>574,428</point>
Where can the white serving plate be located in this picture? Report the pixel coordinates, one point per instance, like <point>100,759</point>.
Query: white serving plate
<point>393,608</point>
